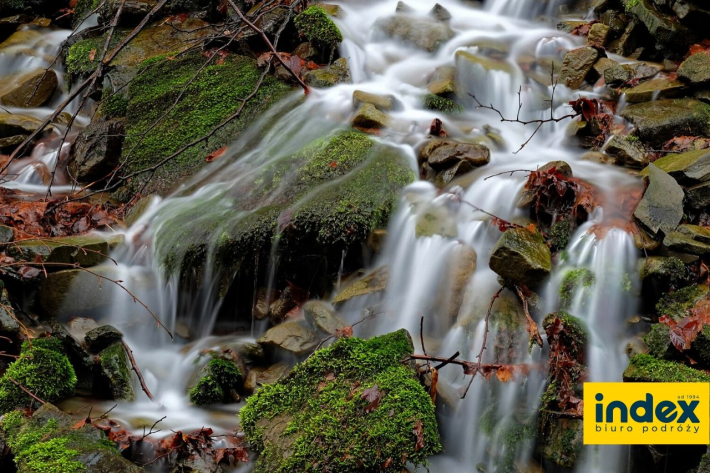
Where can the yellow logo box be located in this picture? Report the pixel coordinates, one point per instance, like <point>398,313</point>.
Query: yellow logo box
<point>646,413</point>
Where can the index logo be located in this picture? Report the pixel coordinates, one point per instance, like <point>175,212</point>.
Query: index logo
<point>646,413</point>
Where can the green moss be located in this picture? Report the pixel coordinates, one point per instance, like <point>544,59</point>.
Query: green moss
<point>576,283</point>
<point>441,104</point>
<point>83,56</point>
<point>658,341</point>
<point>560,233</point>
<point>51,456</point>
<point>213,96</point>
<point>646,368</point>
<point>43,369</point>
<point>116,370</point>
<point>82,9</point>
<point>213,388</point>
<point>113,105</point>
<point>676,304</point>
<point>318,28</point>
<point>323,414</point>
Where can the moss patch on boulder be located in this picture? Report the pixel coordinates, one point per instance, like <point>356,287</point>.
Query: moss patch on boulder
<point>647,369</point>
<point>676,304</point>
<point>351,406</point>
<point>219,377</point>
<point>318,28</point>
<point>357,182</point>
<point>576,283</point>
<point>214,95</point>
<point>442,104</point>
<point>43,369</point>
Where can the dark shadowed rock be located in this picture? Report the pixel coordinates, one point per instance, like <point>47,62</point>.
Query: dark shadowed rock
<point>101,337</point>
<point>661,208</point>
<point>97,150</point>
<point>30,89</point>
<point>113,379</point>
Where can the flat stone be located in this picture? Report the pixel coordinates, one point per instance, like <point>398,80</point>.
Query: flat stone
<point>291,337</point>
<point>696,69</point>
<point>368,116</point>
<point>30,90</point>
<point>629,151</point>
<point>576,66</point>
<point>661,120</point>
<point>659,88</point>
<point>375,281</point>
<point>101,337</point>
<point>689,168</point>
<point>381,102</point>
<point>86,250</point>
<point>444,81</point>
<point>321,316</point>
<point>441,154</point>
<point>329,76</point>
<point>661,208</point>
<point>422,32</point>
<point>16,124</point>
<point>685,243</point>
<point>521,257</point>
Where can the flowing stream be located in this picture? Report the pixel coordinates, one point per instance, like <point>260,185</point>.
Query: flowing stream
<point>418,283</point>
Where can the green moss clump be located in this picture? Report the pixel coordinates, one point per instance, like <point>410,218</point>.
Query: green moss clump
<point>646,368</point>
<point>116,373</point>
<point>318,28</point>
<point>560,233</point>
<point>43,369</point>
<point>213,96</point>
<point>213,388</point>
<point>320,413</point>
<point>441,104</point>
<point>574,281</point>
<point>113,105</point>
<point>83,56</point>
<point>659,345</point>
<point>51,456</point>
<point>676,304</point>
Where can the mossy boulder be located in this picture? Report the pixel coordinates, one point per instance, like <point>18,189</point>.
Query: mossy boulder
<point>442,104</point>
<point>647,369</point>
<point>102,337</point>
<point>421,32</point>
<point>325,198</point>
<point>677,304</point>
<point>43,369</point>
<point>521,257</point>
<point>209,97</point>
<point>660,120</point>
<point>661,208</point>
<point>216,383</point>
<point>659,345</point>
<point>696,69</point>
<point>349,407</point>
<point>318,28</point>
<point>48,442</point>
<point>333,74</point>
<point>84,250</point>
<point>113,377</point>
<point>690,167</point>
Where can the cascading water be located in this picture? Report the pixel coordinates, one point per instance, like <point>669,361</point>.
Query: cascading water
<point>476,430</point>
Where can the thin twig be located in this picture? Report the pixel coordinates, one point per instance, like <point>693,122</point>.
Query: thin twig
<point>151,431</point>
<point>138,372</point>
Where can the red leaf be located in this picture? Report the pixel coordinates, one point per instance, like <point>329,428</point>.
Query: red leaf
<point>215,154</point>
<point>372,396</point>
<point>419,434</point>
<point>92,54</point>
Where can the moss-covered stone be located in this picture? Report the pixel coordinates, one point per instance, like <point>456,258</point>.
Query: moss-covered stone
<point>114,374</point>
<point>43,369</point>
<point>357,180</point>
<point>320,417</point>
<point>442,104</point>
<point>213,96</point>
<point>318,28</point>
<point>676,304</point>
<point>522,257</point>
<point>647,369</point>
<point>576,283</point>
<point>658,341</point>
<point>47,442</point>
<point>219,377</point>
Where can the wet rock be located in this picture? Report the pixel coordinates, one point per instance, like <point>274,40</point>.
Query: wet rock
<point>661,208</point>
<point>600,67</point>
<point>441,154</point>
<point>444,81</point>
<point>576,66</point>
<point>85,250</point>
<point>688,168</point>
<point>376,239</point>
<point>321,316</point>
<point>375,281</point>
<point>329,76</point>
<point>659,88</point>
<point>691,239</point>
<point>113,377</point>
<point>15,124</point>
<point>628,150</point>
<point>101,337</point>
<point>598,35</point>
<point>97,150</point>
<point>317,400</point>
<point>7,234</point>
<point>440,13</point>
<point>73,291</point>
<point>441,104</point>
<point>283,304</point>
<point>489,64</point>
<point>306,51</point>
<point>80,358</point>
<point>11,142</point>
<point>527,197</point>
<point>662,272</point>
<point>696,69</point>
<point>436,219</point>
<point>270,375</point>
<point>617,73</point>
<point>677,304</point>
<point>424,33</point>
<point>666,30</point>
<point>381,102</point>
<point>60,445</point>
<point>576,288</point>
<point>647,369</point>
<point>698,196</point>
<point>461,268</point>
<point>403,8</point>
<point>9,326</point>
<point>291,337</point>
<point>330,9</point>
<point>521,257</point>
<point>31,90</point>
<point>445,177</point>
<point>658,341</point>
<point>568,26</point>
<point>626,42</point>
<point>368,117</point>
<point>660,120</point>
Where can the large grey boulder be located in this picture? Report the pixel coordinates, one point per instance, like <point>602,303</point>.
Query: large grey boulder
<point>661,208</point>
